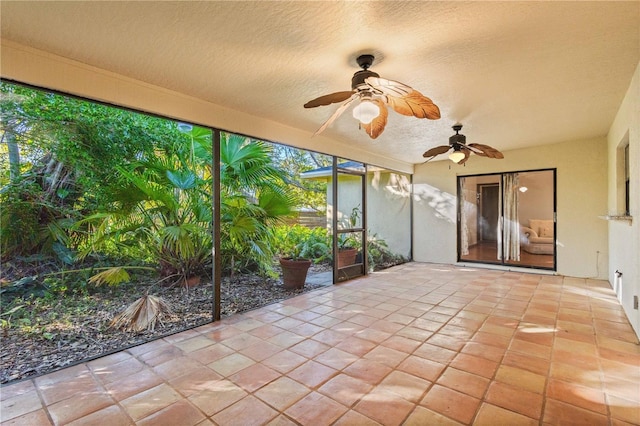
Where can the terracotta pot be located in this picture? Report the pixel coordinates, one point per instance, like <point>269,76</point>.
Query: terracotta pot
<point>294,272</point>
<point>346,257</point>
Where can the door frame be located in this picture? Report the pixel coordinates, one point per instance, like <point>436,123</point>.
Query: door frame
<point>357,269</point>
<point>459,205</point>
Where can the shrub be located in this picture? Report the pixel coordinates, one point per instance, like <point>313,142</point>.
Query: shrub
<point>298,241</point>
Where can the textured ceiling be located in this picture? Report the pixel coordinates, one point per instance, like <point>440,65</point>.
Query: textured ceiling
<point>516,74</point>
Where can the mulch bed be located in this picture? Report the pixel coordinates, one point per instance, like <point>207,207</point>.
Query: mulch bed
<point>56,344</point>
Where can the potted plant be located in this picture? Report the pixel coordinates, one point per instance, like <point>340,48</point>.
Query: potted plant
<point>294,266</point>
<point>347,251</point>
<point>348,245</point>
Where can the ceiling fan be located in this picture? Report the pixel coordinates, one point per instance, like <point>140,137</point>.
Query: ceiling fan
<point>374,93</point>
<point>460,150</point>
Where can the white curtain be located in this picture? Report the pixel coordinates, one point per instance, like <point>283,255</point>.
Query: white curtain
<point>510,224</point>
<point>464,228</point>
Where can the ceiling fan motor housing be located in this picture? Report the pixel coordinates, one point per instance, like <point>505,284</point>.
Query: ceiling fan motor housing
<point>360,76</point>
<point>457,139</point>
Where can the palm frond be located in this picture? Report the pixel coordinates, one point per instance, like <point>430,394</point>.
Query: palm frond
<point>111,276</point>
<point>143,314</point>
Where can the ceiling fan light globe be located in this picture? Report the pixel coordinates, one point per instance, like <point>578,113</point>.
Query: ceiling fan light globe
<point>366,112</point>
<point>456,156</point>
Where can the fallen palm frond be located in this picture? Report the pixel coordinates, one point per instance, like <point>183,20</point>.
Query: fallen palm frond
<point>142,314</point>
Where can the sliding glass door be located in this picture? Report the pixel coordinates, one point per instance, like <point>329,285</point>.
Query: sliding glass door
<point>508,219</point>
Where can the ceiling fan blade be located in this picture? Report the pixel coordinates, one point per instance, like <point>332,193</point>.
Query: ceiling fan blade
<point>467,153</point>
<point>414,104</point>
<point>331,98</point>
<point>436,151</point>
<point>376,127</point>
<point>486,151</point>
<point>337,113</point>
<point>404,99</point>
<point>388,87</point>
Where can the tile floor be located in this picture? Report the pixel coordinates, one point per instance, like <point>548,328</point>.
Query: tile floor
<point>417,344</point>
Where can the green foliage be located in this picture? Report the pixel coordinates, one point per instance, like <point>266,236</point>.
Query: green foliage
<point>84,179</point>
<point>164,214</point>
<point>379,255</point>
<point>311,193</point>
<point>297,241</point>
<point>254,198</point>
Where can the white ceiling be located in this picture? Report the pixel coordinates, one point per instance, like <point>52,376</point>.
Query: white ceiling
<point>515,74</point>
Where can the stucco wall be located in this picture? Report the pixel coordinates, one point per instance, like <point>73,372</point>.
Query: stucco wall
<point>581,193</point>
<point>388,206</point>
<point>624,236</point>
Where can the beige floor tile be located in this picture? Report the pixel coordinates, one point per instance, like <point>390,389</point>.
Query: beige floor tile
<point>401,344</point>
<point>193,344</point>
<point>282,393</point>
<point>335,358</point>
<point>254,377</point>
<point>316,409</point>
<point>492,339</point>
<point>533,349</point>
<point>521,401</point>
<point>210,353</point>
<point>285,361</point>
<point>82,384</point>
<point>20,388</point>
<point>385,408</point>
<point>121,370</point>
<point>33,418</point>
<point>450,403</point>
<point>180,413</point>
<point>309,348</point>
<point>584,397</point>
<point>490,415</point>
<point>19,404</point>
<point>260,350</point>
<point>353,418</point>
<point>312,374</point>
<point>464,382</point>
<point>625,410</point>
<point>445,339</point>
<point>475,365</point>
<point>356,345</point>
<point>78,406</point>
<point>112,416</point>
<point>249,411</point>
<point>482,350</point>
<point>421,367</point>
<point>133,384</point>
<point>368,371</point>
<point>217,396</point>
<point>148,402</point>
<point>386,356</point>
<point>177,367</point>
<point>231,364</point>
<point>404,385</point>
<point>560,413</point>
<point>414,333</point>
<point>422,416</point>
<point>530,363</point>
<point>376,336</point>
<point>435,353</point>
<point>345,389</point>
